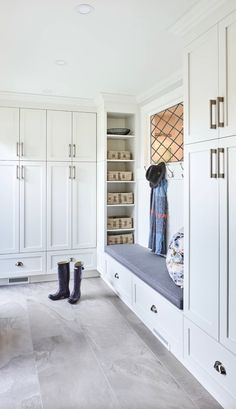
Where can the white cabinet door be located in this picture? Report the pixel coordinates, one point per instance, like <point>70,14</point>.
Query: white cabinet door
<point>84,205</point>
<point>58,206</point>
<point>33,134</point>
<point>227,242</point>
<point>59,135</point>
<point>201,300</point>
<point>32,206</point>
<point>9,133</point>
<point>84,136</point>
<point>9,214</point>
<point>227,64</point>
<point>201,86</point>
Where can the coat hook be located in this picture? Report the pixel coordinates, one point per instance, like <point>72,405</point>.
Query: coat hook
<point>182,167</point>
<point>170,173</point>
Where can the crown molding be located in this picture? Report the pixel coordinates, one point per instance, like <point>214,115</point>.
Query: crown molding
<point>163,87</point>
<point>106,98</point>
<point>45,101</point>
<point>199,12</point>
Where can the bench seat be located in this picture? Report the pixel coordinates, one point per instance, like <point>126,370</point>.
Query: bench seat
<point>150,268</point>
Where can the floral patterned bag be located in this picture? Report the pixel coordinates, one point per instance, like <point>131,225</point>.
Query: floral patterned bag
<point>175,258</point>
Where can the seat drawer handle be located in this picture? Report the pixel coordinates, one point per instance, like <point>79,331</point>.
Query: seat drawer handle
<point>153,309</point>
<point>19,264</point>
<point>220,368</point>
<point>117,276</point>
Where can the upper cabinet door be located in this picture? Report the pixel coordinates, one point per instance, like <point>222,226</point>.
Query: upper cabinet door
<point>84,205</point>
<point>9,214</point>
<point>84,136</point>
<point>201,88</point>
<point>9,133</point>
<point>59,135</point>
<point>33,134</point>
<point>32,206</point>
<point>227,66</point>
<point>201,286</point>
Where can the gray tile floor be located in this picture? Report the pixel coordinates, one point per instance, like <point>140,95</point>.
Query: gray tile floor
<point>93,355</point>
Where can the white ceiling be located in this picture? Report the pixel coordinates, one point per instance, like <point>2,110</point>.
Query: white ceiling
<point>124,46</point>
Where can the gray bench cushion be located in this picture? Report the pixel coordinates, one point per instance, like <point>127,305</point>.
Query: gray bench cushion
<point>148,267</point>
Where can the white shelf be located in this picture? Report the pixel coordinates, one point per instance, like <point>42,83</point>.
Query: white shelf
<point>120,136</point>
<point>120,160</point>
<point>121,181</point>
<point>119,230</point>
<point>121,205</point>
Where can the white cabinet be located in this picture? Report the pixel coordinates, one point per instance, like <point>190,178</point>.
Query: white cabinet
<point>9,133</point>
<point>227,66</point>
<point>32,134</point>
<point>201,297</point>
<point>201,83</point>
<point>84,136</point>
<point>59,135</point>
<point>84,205</point>
<point>9,214</point>
<point>32,206</point>
<point>22,265</point>
<point>227,243</point>
<point>59,178</point>
<point>87,256</point>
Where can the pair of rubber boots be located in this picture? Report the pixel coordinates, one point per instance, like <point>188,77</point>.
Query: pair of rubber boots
<point>64,279</point>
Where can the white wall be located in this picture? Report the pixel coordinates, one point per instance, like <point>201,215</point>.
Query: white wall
<point>175,185</point>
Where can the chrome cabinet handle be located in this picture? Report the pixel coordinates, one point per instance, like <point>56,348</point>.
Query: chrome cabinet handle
<point>17,172</point>
<point>74,150</point>
<point>220,116</point>
<point>221,153</point>
<point>219,368</point>
<point>22,148</point>
<point>70,177</point>
<point>213,152</point>
<point>74,169</point>
<point>69,150</point>
<point>17,149</point>
<point>212,103</point>
<point>19,264</point>
<point>22,172</point>
<point>153,309</point>
<point>116,276</point>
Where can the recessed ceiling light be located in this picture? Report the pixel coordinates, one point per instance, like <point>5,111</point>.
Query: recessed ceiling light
<point>84,8</point>
<point>60,62</point>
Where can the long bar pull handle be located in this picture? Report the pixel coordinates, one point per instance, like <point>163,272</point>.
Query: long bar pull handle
<point>17,172</point>
<point>221,165</point>
<point>22,148</point>
<point>74,150</point>
<point>220,103</point>
<point>213,152</point>
<point>17,149</point>
<point>69,150</point>
<point>70,177</point>
<point>212,103</point>
<point>74,168</point>
<point>22,172</point>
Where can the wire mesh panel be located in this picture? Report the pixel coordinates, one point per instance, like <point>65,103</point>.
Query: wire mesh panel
<point>167,135</point>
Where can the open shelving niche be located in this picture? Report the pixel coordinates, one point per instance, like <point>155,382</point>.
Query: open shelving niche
<point>121,143</point>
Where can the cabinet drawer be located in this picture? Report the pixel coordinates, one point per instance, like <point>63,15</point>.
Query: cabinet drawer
<point>120,278</point>
<point>163,318</point>
<point>202,352</point>
<point>87,256</point>
<point>19,265</point>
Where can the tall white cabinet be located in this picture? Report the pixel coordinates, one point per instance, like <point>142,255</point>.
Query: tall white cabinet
<point>210,202</point>
<point>48,190</point>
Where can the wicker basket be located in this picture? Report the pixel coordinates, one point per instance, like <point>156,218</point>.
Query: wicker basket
<point>119,223</point>
<point>120,198</point>
<point>120,239</point>
<point>117,175</point>
<point>119,155</point>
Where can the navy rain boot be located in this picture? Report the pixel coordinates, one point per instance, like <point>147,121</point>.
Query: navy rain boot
<point>76,293</point>
<point>63,279</point>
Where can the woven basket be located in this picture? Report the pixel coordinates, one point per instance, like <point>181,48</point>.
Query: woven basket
<point>119,155</point>
<point>119,223</point>
<point>117,175</point>
<point>120,239</point>
<point>120,198</point>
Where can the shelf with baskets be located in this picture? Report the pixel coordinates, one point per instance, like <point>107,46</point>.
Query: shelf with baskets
<point>121,185</point>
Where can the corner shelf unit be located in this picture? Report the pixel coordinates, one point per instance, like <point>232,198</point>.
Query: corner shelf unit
<point>121,143</point>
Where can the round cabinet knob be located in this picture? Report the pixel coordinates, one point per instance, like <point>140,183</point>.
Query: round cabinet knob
<point>19,264</point>
<point>219,368</point>
<point>153,309</point>
<point>117,276</point>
